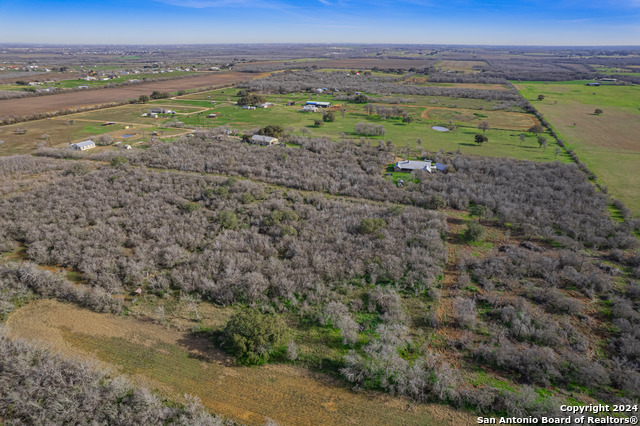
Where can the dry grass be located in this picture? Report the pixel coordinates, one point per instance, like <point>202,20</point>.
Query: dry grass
<point>176,363</point>
<point>463,66</point>
<point>40,104</point>
<point>424,81</point>
<point>60,134</point>
<point>469,117</point>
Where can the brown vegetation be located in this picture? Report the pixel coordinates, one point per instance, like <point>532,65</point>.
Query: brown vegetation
<point>30,106</point>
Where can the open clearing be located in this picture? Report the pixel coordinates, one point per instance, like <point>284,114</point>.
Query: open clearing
<point>467,67</point>
<point>468,117</point>
<point>176,363</point>
<point>193,110</point>
<point>39,104</point>
<point>607,143</point>
<point>356,63</point>
<point>62,132</point>
<point>424,81</point>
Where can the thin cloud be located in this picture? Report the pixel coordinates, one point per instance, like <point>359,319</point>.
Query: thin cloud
<point>202,4</point>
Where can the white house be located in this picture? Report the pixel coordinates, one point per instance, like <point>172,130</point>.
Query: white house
<point>83,146</point>
<point>263,140</point>
<point>159,110</point>
<point>319,104</point>
<point>409,166</point>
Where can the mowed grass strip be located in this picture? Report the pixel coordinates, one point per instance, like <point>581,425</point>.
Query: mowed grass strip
<point>608,143</point>
<point>496,119</point>
<point>424,81</point>
<point>177,363</point>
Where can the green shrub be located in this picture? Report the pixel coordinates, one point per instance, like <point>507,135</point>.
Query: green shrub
<point>475,232</point>
<point>252,337</point>
<point>273,130</point>
<point>118,161</point>
<point>437,202</point>
<point>329,117</point>
<point>191,206</point>
<point>227,219</point>
<point>361,99</point>
<point>479,210</point>
<point>371,225</point>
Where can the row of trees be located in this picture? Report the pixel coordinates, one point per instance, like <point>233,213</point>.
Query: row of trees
<point>300,81</point>
<point>540,198</point>
<point>211,236</point>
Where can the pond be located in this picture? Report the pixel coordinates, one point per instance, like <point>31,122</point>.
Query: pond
<point>440,128</point>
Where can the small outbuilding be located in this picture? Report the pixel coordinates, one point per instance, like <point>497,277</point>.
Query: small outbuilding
<point>158,110</point>
<point>409,166</point>
<point>441,167</point>
<point>83,146</point>
<point>319,104</point>
<point>263,140</point>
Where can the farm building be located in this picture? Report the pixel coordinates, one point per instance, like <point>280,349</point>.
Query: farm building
<point>158,110</point>
<point>319,104</point>
<point>593,84</point>
<point>212,115</point>
<point>310,108</point>
<point>248,107</point>
<point>83,146</point>
<point>441,167</point>
<point>409,166</point>
<point>263,140</point>
<point>265,105</point>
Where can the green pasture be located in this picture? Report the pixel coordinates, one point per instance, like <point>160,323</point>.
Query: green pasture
<point>71,83</point>
<point>578,92</point>
<point>502,143</point>
<point>608,143</point>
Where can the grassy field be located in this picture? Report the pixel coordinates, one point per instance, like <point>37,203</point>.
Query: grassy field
<point>62,133</point>
<point>463,66</point>
<point>424,81</point>
<point>504,120</point>
<point>70,83</point>
<point>175,363</point>
<point>607,143</point>
<point>503,139</point>
<point>427,111</point>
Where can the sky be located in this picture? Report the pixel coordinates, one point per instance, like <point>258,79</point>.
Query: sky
<point>496,22</point>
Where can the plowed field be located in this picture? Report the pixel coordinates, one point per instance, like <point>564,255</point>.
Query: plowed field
<point>28,106</point>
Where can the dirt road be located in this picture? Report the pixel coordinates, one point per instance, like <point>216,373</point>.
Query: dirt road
<point>176,363</point>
